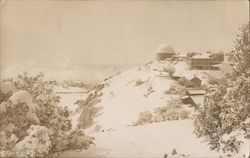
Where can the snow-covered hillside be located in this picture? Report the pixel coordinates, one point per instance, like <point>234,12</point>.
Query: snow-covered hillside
<point>153,140</point>
<point>128,94</point>
<point>133,91</point>
<point>124,96</point>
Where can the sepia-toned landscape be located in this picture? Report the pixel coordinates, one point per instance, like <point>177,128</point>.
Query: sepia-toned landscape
<point>116,79</point>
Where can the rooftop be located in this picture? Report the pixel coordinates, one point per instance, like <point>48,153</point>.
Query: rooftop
<point>198,100</point>
<point>163,48</point>
<point>196,91</point>
<point>201,56</point>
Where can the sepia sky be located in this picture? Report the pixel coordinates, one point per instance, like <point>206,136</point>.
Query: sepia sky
<point>55,33</point>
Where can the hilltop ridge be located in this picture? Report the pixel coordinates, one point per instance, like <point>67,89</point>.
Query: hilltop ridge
<point>143,88</point>
<point>128,97</point>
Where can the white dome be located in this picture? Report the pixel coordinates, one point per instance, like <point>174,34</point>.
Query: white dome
<point>163,48</point>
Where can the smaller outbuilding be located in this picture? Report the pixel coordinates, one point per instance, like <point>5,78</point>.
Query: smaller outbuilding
<point>197,81</point>
<point>195,97</point>
<point>186,100</point>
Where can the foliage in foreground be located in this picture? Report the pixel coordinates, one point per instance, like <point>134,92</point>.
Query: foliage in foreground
<point>31,123</point>
<point>88,107</point>
<point>226,115</point>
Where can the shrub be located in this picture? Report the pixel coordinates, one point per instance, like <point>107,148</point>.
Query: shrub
<point>232,144</point>
<point>167,114</point>
<point>170,112</point>
<point>216,81</point>
<point>139,82</point>
<point>7,87</point>
<point>31,123</point>
<point>88,113</point>
<point>171,115</point>
<point>4,96</point>
<point>88,107</point>
<point>184,114</point>
<point>36,144</point>
<point>213,81</point>
<point>160,113</point>
<point>78,140</point>
<point>144,117</point>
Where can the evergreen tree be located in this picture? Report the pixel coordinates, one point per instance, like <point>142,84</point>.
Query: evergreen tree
<point>226,114</point>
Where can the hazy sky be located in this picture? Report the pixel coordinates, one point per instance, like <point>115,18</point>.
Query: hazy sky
<point>114,32</point>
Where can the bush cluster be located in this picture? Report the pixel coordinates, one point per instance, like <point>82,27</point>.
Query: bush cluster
<point>173,111</point>
<point>88,107</point>
<point>31,123</point>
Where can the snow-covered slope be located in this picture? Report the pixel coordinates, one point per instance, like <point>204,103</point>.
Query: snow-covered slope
<point>153,140</point>
<point>133,91</point>
<point>124,96</point>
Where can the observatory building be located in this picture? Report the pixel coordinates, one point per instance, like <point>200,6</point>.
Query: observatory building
<point>164,51</point>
